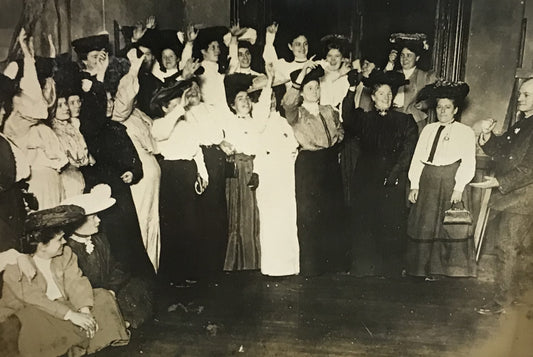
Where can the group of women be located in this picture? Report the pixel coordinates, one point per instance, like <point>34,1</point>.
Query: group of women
<point>196,162</point>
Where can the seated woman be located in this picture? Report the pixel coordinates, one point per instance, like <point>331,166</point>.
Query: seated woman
<point>443,163</point>
<point>318,130</point>
<point>59,311</point>
<point>134,292</point>
<point>378,188</point>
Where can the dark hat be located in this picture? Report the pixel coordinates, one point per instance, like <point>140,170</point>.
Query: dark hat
<point>339,42</point>
<point>85,45</point>
<point>67,77</point>
<point>59,216</point>
<point>150,39</point>
<point>8,89</point>
<point>444,89</point>
<point>415,42</point>
<point>44,67</point>
<point>313,75</point>
<point>392,78</point>
<point>166,93</point>
<point>208,35</point>
<point>236,83</point>
<point>127,32</point>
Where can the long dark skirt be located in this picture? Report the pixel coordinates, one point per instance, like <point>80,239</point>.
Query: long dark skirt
<point>430,250</point>
<point>212,210</point>
<point>377,220</point>
<point>179,223</point>
<point>243,252</point>
<point>349,154</point>
<point>320,218</point>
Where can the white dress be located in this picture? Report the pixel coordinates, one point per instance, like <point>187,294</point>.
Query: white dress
<point>276,200</point>
<point>145,193</point>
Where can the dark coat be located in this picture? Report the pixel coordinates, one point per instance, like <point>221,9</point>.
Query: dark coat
<point>114,152</point>
<point>512,155</point>
<point>12,212</point>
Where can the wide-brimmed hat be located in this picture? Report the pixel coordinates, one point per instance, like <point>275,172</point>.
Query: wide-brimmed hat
<point>99,199</point>
<point>392,78</point>
<point>59,216</point>
<point>236,83</point>
<point>313,75</point>
<point>85,45</point>
<point>444,89</point>
<point>166,93</point>
<point>415,42</point>
<point>335,41</point>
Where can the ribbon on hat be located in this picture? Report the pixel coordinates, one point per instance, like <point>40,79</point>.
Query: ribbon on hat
<point>401,36</point>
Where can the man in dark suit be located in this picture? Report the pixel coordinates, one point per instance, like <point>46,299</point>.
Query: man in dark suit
<point>512,154</point>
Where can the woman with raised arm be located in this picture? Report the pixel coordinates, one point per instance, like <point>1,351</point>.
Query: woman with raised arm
<point>40,145</point>
<point>378,211</point>
<point>318,130</point>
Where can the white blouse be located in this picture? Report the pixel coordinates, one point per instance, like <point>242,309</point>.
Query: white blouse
<point>456,142</point>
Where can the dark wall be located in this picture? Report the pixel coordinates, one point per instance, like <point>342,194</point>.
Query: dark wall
<point>93,16</point>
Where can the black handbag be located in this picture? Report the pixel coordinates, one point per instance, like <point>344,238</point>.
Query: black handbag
<point>457,222</point>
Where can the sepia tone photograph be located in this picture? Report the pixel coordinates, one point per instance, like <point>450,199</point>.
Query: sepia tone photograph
<point>266,178</point>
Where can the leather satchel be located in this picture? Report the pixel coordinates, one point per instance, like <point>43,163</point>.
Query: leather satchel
<point>458,215</point>
<point>457,223</point>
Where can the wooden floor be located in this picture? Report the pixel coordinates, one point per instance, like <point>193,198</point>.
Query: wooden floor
<point>248,314</point>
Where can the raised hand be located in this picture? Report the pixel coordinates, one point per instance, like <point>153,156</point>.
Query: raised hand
<point>272,28</point>
<point>191,33</point>
<point>488,125</point>
<point>101,66</point>
<point>150,22</point>
<point>237,31</point>
<point>190,68</point>
<point>135,61</point>
<point>393,55</point>
<point>138,31</point>
<point>25,45</point>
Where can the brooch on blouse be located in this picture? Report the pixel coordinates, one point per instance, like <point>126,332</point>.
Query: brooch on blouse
<point>89,246</point>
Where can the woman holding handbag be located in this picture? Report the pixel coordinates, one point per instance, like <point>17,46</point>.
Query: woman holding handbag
<point>442,165</point>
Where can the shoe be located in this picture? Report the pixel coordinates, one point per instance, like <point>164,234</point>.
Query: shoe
<point>492,308</point>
